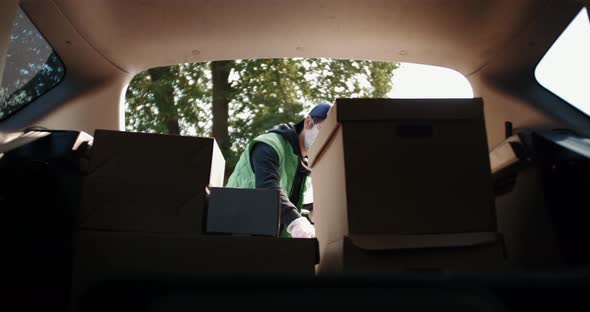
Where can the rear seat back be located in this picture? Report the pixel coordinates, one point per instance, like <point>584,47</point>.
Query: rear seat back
<point>39,194</point>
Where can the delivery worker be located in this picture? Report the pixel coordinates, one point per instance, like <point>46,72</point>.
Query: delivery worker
<point>277,160</point>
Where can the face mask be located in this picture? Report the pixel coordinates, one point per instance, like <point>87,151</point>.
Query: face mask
<point>310,136</point>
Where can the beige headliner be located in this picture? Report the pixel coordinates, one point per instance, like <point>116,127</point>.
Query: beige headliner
<point>105,42</point>
<point>460,34</point>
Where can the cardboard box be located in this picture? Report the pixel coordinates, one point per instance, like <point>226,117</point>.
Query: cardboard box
<point>149,182</point>
<point>485,253</point>
<point>104,257</point>
<point>243,211</point>
<point>402,167</point>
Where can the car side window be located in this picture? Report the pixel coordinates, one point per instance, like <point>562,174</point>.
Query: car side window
<point>32,67</point>
<point>564,68</point>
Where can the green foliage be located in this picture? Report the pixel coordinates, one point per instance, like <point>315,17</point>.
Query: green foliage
<point>380,77</point>
<point>264,93</point>
<point>190,102</point>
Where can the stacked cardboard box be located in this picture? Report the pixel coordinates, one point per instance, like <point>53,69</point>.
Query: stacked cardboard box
<point>404,177</point>
<point>150,183</point>
<point>143,216</point>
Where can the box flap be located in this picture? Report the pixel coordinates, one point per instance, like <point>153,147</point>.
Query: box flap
<point>217,167</point>
<point>392,109</point>
<point>83,137</point>
<point>394,242</point>
<point>504,155</point>
<point>329,127</point>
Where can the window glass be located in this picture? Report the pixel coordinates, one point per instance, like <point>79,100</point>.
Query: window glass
<point>32,67</point>
<point>426,81</point>
<point>236,100</point>
<point>564,70</point>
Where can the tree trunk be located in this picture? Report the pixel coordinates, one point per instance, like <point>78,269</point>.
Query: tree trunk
<point>162,87</point>
<point>221,97</point>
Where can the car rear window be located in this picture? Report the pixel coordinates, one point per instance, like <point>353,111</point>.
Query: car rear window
<point>236,100</point>
<point>565,67</point>
<point>32,67</point>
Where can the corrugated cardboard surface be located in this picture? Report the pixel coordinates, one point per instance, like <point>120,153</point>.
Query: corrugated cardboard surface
<point>407,109</point>
<point>391,242</point>
<point>329,127</point>
<point>172,158</point>
<point>217,167</point>
<point>405,185</point>
<point>111,256</point>
<point>330,201</point>
<point>149,182</point>
<point>504,155</point>
<point>417,186</point>
<point>243,211</point>
<point>401,167</point>
<point>345,256</point>
<point>128,205</point>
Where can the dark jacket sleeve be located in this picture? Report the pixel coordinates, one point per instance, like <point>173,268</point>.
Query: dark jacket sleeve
<point>265,164</point>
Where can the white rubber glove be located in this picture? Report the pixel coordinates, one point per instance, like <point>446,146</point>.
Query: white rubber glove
<point>301,228</point>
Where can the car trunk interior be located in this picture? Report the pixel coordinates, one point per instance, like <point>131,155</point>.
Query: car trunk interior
<point>540,188</point>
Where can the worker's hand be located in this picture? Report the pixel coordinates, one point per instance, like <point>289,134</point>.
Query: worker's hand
<point>301,228</point>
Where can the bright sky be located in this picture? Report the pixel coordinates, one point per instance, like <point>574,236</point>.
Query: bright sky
<point>425,81</point>
<point>564,69</point>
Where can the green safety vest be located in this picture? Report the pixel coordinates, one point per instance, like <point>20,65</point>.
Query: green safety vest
<point>243,176</point>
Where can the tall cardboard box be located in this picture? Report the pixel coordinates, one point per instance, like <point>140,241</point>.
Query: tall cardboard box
<point>151,183</point>
<point>398,167</point>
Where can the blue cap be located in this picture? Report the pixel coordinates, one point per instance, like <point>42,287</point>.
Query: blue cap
<point>320,110</point>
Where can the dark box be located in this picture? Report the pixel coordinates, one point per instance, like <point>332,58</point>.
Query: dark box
<point>105,258</point>
<point>243,211</point>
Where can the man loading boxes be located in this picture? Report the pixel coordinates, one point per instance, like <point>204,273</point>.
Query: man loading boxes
<point>277,160</point>
<point>402,184</point>
<point>142,216</point>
